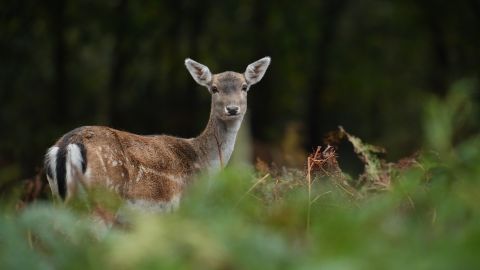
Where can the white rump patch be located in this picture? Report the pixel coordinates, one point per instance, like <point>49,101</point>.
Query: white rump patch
<point>74,164</point>
<point>51,161</point>
<point>75,156</point>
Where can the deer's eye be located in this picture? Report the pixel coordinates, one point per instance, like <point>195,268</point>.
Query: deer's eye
<point>244,87</point>
<point>214,89</point>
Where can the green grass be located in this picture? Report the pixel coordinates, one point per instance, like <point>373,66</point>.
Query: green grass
<point>422,215</point>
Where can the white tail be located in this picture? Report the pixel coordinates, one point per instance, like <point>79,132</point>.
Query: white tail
<point>152,171</point>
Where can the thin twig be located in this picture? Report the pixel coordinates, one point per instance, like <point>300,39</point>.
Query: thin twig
<point>309,180</point>
<point>251,188</point>
<point>320,195</point>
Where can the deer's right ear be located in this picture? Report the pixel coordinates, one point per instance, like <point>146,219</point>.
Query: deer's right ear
<point>255,71</point>
<point>200,73</point>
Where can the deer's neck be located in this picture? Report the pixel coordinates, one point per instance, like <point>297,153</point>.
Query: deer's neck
<point>215,144</point>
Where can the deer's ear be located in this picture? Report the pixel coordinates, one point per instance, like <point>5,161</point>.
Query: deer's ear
<point>200,73</point>
<point>256,70</point>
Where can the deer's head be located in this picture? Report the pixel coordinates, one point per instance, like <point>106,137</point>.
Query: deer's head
<point>228,89</point>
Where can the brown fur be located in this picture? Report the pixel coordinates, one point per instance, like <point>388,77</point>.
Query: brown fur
<point>120,160</point>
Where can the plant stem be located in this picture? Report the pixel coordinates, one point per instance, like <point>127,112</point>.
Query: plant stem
<point>309,180</point>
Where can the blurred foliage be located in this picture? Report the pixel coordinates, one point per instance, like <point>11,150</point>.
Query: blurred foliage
<point>427,218</point>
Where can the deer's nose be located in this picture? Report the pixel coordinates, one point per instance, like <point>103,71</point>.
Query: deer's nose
<point>232,110</point>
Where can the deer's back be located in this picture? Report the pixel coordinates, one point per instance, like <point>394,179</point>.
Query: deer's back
<point>151,168</point>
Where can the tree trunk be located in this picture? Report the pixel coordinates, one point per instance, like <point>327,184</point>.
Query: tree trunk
<point>439,70</point>
<point>119,62</point>
<point>59,62</point>
<point>196,23</point>
<point>314,117</point>
<point>261,110</point>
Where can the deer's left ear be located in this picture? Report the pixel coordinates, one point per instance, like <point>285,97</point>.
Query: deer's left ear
<point>256,70</point>
<point>200,73</point>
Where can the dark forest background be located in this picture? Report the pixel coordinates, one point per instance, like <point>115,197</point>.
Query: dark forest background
<point>366,65</point>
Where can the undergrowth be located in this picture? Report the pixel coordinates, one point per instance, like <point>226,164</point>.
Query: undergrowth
<point>421,212</point>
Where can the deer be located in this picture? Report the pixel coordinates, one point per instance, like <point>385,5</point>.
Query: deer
<point>151,172</point>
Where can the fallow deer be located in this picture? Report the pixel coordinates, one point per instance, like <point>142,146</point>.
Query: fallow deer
<point>151,172</point>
